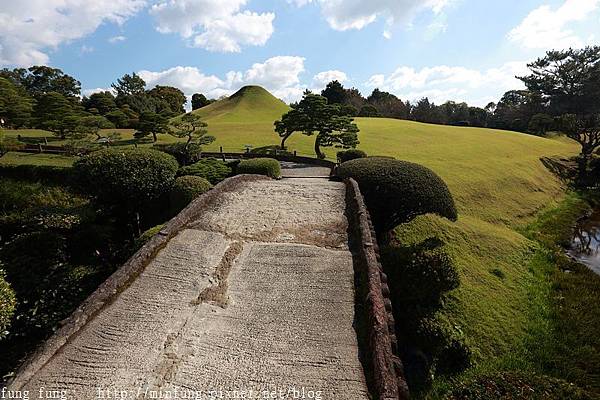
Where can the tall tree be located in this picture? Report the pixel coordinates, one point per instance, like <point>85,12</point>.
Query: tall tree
<point>57,114</point>
<point>173,97</point>
<point>586,132</point>
<point>192,127</point>
<point>15,105</point>
<point>199,100</point>
<point>92,125</point>
<point>39,80</point>
<point>314,116</point>
<point>104,102</point>
<point>129,85</point>
<point>388,105</point>
<point>568,81</point>
<point>335,93</point>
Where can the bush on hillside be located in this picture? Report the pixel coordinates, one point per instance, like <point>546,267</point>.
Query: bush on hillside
<point>147,235</point>
<point>185,189</point>
<point>184,154</point>
<point>352,154</point>
<point>260,166</point>
<point>517,386</point>
<point>7,303</point>
<point>211,169</point>
<point>398,191</point>
<point>125,177</point>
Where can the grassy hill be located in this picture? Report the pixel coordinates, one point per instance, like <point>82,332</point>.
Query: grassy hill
<point>499,185</point>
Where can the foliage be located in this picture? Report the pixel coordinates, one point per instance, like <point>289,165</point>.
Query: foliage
<point>193,128</point>
<point>540,123</point>
<point>199,100</point>
<point>211,169</point>
<point>7,303</point>
<point>352,154</point>
<point>369,111</point>
<point>517,386</point>
<point>125,178</point>
<point>92,125</point>
<point>186,154</point>
<point>586,132</point>
<point>57,114</point>
<point>173,98</point>
<point>397,191</point>
<point>44,173</point>
<point>260,166</point>
<point>16,106</point>
<point>151,123</point>
<point>102,102</point>
<point>8,144</point>
<point>129,85</point>
<point>312,115</point>
<point>185,189</point>
<point>146,236</point>
<point>334,92</point>
<point>40,79</point>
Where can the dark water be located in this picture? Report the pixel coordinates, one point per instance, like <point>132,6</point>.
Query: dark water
<point>585,244</point>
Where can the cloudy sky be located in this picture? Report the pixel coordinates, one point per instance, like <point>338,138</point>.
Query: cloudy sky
<point>464,50</point>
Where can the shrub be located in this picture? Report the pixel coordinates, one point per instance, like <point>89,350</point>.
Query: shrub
<point>184,154</point>
<point>211,169</point>
<point>352,154</point>
<point>260,166</point>
<point>455,357</point>
<point>398,191</point>
<point>511,385</point>
<point>185,189</point>
<point>420,273</point>
<point>147,235</point>
<point>7,304</point>
<point>45,173</point>
<point>125,177</point>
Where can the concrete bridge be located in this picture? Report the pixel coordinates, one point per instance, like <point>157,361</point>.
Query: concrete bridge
<point>250,293</point>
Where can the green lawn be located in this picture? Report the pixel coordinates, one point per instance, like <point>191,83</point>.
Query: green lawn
<point>497,180</point>
<point>13,158</point>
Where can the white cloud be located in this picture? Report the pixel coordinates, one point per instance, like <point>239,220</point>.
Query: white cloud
<point>343,15</point>
<point>323,78</point>
<point>215,25</point>
<point>280,75</point>
<point>116,39</point>
<point>442,83</point>
<point>547,28</point>
<point>89,92</point>
<point>30,29</point>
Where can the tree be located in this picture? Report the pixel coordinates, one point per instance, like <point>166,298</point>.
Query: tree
<point>199,100</point>
<point>540,123</point>
<point>152,124</point>
<point>586,132</point>
<point>388,105</point>
<point>129,85</point>
<point>15,105</point>
<point>568,81</point>
<point>314,116</point>
<point>192,127</point>
<point>173,97</point>
<point>335,93</point>
<point>92,125</point>
<point>104,102</point>
<point>55,113</point>
<point>515,109</point>
<point>39,80</point>
<point>369,110</point>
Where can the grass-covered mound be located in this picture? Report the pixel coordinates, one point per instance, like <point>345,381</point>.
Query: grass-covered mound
<point>260,166</point>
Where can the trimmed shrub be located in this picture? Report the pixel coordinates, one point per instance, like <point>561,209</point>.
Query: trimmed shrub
<point>260,166</point>
<point>7,304</point>
<point>125,177</point>
<point>352,154</point>
<point>185,155</point>
<point>147,235</point>
<point>211,169</point>
<point>398,191</point>
<point>185,189</point>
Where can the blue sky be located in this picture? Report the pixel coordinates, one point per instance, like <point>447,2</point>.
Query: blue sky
<point>463,50</point>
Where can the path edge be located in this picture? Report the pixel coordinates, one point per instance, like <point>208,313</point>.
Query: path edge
<point>386,367</point>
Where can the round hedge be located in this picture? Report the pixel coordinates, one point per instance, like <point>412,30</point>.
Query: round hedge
<point>398,191</point>
<point>125,177</point>
<point>210,169</point>
<point>186,154</point>
<point>7,303</point>
<point>185,189</point>
<point>260,166</point>
<point>352,154</point>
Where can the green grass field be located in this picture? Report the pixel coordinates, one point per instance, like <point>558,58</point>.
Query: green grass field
<point>499,185</point>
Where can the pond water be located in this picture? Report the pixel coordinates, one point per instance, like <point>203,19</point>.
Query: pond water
<point>585,244</point>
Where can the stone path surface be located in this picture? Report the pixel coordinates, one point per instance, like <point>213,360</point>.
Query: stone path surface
<point>256,295</point>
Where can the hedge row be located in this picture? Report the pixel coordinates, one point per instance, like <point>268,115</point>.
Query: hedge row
<point>211,169</point>
<point>46,173</point>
